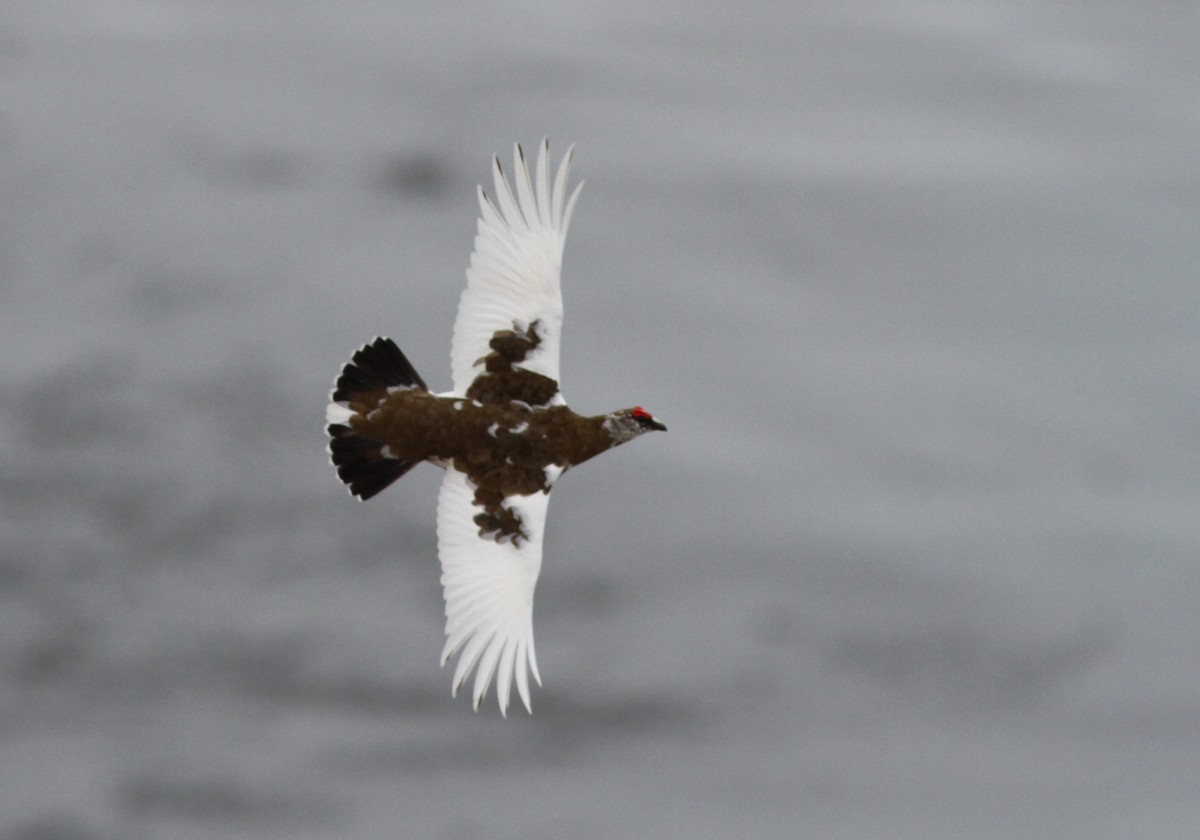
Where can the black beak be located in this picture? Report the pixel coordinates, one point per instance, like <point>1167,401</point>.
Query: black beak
<point>654,424</point>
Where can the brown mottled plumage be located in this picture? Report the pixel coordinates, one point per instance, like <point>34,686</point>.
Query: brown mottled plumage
<point>503,448</point>
<point>503,435</point>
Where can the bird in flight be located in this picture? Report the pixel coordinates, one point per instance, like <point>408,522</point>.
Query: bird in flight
<point>503,433</point>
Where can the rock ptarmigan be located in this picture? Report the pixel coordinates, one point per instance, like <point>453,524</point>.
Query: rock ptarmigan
<point>504,434</point>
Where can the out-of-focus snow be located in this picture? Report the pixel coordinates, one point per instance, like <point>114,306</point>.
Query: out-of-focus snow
<point>914,286</point>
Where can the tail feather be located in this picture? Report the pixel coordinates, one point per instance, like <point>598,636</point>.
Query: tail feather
<point>361,462</point>
<point>364,464</point>
<point>379,364</point>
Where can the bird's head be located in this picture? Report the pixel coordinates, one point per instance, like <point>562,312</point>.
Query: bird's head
<point>628,423</point>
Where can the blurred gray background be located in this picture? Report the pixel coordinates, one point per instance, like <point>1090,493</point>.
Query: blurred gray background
<point>914,285</point>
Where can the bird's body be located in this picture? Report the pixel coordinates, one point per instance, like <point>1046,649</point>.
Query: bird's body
<point>504,434</point>
<point>507,448</point>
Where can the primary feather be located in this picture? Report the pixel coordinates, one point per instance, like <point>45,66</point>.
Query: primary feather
<point>488,588</point>
<point>514,271</point>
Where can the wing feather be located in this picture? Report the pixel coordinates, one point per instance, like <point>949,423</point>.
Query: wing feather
<point>522,655</point>
<point>488,587</point>
<point>529,207</point>
<point>504,669</point>
<point>545,208</point>
<point>508,204</point>
<point>514,273</point>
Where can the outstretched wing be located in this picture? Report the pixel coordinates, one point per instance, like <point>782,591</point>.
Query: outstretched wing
<point>513,278</point>
<point>488,586</point>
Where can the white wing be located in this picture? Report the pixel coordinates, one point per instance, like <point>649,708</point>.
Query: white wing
<point>488,587</point>
<point>514,270</point>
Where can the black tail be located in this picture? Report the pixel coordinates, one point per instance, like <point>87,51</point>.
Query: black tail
<point>377,365</point>
<point>363,464</point>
